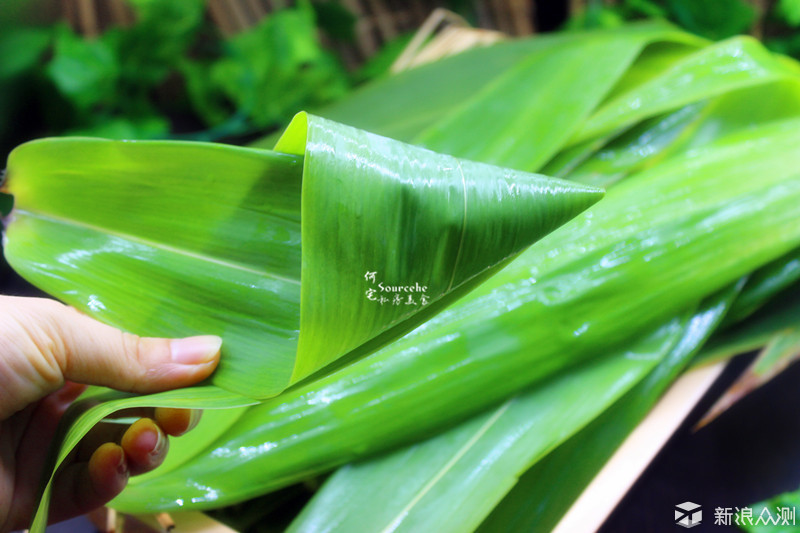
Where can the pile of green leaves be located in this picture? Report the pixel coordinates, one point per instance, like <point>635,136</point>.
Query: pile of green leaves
<point>493,407</point>
<point>173,65</point>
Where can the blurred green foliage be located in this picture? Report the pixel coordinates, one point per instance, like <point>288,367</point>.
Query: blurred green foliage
<point>789,11</point>
<point>268,73</point>
<point>172,70</point>
<point>713,19</point>
<point>702,18</point>
<point>172,64</point>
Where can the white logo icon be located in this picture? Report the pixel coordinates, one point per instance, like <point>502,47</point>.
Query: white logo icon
<point>688,514</point>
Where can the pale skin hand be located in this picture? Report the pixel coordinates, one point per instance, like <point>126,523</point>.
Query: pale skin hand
<point>46,350</point>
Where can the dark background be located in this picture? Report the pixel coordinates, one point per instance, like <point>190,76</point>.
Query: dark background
<point>747,455</point>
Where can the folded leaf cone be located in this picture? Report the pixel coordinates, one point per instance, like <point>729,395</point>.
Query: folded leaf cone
<point>295,257</point>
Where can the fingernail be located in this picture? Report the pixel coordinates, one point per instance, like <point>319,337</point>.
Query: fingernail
<point>194,419</point>
<point>122,464</point>
<point>195,350</point>
<point>161,442</point>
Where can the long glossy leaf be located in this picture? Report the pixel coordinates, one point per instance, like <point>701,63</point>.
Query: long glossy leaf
<point>430,218</point>
<point>218,250</point>
<point>487,453</point>
<point>782,349</point>
<point>690,127</point>
<point>410,102</point>
<point>543,494</point>
<point>756,331</point>
<point>635,259</point>
<point>699,133</point>
<point>764,284</point>
<point>735,63</point>
<point>523,133</point>
<point>201,247</point>
<point>424,219</point>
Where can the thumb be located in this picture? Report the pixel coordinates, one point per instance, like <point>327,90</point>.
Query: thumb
<point>43,343</point>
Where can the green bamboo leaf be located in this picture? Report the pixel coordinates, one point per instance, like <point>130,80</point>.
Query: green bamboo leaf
<point>764,284</point>
<point>610,160</point>
<point>214,246</point>
<point>735,63</point>
<point>755,331</point>
<point>543,494</point>
<point>636,259</point>
<point>603,162</point>
<point>524,133</point>
<point>201,248</point>
<point>770,297</point>
<point>780,351</point>
<point>639,256</point>
<point>490,451</point>
<point>434,216</point>
<point>330,398</point>
<point>176,240</point>
<point>611,156</point>
<point>452,84</point>
<point>487,452</point>
<point>657,58</point>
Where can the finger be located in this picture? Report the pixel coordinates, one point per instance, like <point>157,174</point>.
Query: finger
<point>133,412</point>
<point>176,422</point>
<point>37,423</point>
<point>145,446</point>
<point>32,447</point>
<point>100,434</point>
<point>87,351</point>
<point>81,487</point>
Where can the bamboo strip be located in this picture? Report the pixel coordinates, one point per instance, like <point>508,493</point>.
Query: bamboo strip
<point>87,18</point>
<point>188,521</point>
<point>576,6</point>
<point>383,20</point>
<point>606,490</point>
<point>452,41</point>
<point>500,15</point>
<point>365,39</point>
<point>165,521</point>
<point>121,15</point>
<point>240,17</point>
<point>221,17</point>
<point>761,7</point>
<point>69,13</point>
<point>521,17</point>
<point>257,9</point>
<point>439,15</point>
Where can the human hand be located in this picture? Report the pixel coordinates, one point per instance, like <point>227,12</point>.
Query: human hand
<point>47,350</point>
